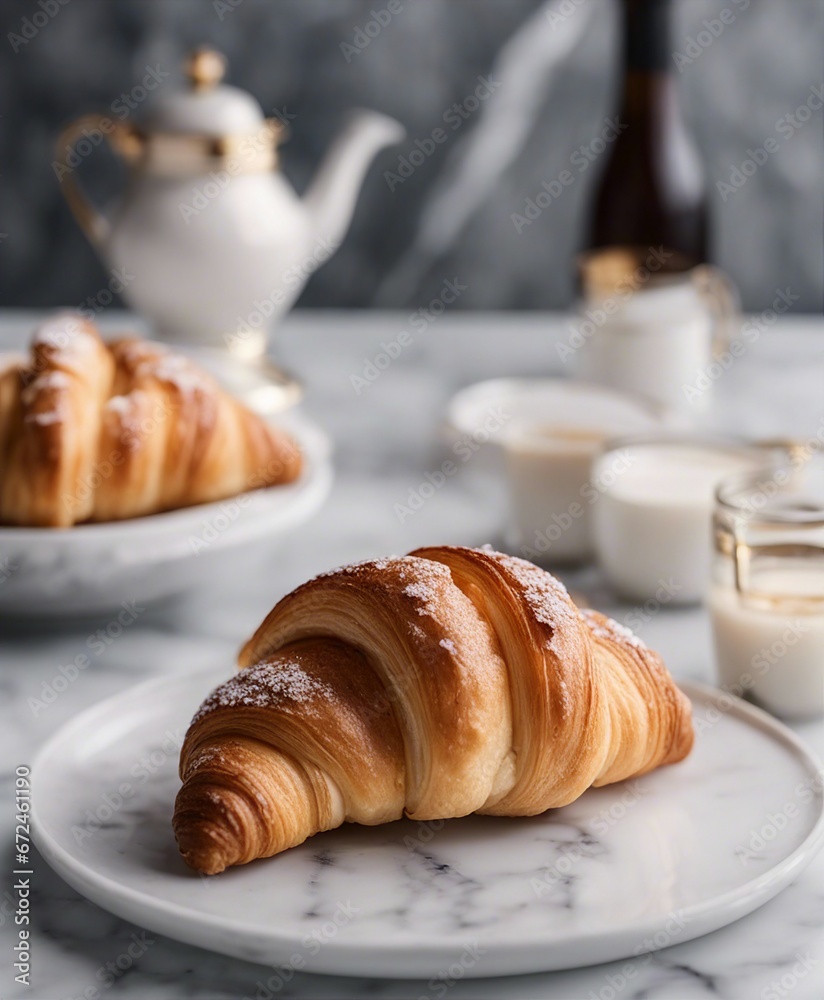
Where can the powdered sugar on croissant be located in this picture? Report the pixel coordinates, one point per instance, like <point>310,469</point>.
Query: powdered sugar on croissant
<point>434,685</point>
<point>104,431</point>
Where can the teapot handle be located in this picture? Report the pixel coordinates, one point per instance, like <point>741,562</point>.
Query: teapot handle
<point>724,303</point>
<point>119,135</point>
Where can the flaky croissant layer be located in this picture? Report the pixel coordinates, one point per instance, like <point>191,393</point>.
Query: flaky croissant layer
<point>438,684</point>
<point>94,431</point>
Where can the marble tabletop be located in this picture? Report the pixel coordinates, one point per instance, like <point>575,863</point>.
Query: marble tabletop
<point>385,423</point>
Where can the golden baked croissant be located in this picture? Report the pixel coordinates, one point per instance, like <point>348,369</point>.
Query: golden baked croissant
<point>446,682</point>
<point>103,431</point>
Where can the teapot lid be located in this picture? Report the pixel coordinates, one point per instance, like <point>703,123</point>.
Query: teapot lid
<point>209,125</point>
<point>207,106</point>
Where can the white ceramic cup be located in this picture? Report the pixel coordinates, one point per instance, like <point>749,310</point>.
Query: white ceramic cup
<point>653,333</point>
<point>653,521</point>
<point>550,447</point>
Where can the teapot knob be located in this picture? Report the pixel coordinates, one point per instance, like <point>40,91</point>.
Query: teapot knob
<point>205,68</point>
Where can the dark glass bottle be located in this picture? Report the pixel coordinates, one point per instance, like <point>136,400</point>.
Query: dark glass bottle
<point>652,190</point>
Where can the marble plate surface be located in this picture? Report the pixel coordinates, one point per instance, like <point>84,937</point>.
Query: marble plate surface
<point>621,872</point>
<point>94,568</point>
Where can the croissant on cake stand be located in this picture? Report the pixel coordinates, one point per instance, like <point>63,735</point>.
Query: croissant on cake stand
<point>434,685</point>
<point>94,431</point>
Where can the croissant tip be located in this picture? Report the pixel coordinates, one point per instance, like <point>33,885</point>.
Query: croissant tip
<point>205,830</point>
<point>200,848</point>
<point>204,863</point>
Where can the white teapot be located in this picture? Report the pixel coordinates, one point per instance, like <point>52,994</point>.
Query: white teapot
<point>209,241</point>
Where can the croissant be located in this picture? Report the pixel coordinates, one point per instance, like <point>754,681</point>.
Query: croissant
<point>94,431</point>
<point>445,682</point>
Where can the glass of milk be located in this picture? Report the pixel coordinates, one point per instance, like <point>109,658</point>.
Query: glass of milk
<point>653,521</point>
<point>767,595</point>
<point>549,449</point>
<point>648,328</point>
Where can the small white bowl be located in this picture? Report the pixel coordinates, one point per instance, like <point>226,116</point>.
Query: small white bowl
<point>546,434</point>
<point>92,568</point>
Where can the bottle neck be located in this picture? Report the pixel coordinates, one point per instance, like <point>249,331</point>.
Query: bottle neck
<point>646,36</point>
<point>648,83</point>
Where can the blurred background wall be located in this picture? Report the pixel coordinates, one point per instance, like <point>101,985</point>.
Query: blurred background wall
<point>301,57</point>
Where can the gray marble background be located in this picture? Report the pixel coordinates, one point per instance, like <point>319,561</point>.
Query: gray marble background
<point>404,243</point>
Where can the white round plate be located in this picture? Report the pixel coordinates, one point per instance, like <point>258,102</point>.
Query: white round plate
<point>624,870</point>
<point>92,568</point>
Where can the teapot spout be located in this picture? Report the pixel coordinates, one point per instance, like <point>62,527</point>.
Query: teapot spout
<point>332,195</point>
